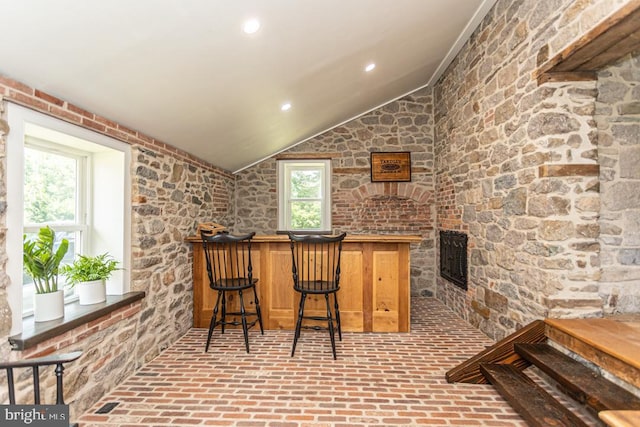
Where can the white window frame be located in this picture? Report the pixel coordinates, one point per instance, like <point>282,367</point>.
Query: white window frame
<point>84,187</point>
<point>83,207</point>
<point>112,212</point>
<point>285,167</point>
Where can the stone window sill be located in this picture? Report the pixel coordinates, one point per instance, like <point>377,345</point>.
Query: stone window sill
<point>74,315</point>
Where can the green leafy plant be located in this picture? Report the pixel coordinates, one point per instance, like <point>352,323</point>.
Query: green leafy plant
<point>88,268</point>
<point>41,262</point>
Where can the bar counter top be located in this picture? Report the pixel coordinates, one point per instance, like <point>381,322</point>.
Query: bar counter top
<point>357,238</point>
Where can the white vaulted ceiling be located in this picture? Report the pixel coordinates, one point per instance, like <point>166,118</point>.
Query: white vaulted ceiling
<point>184,72</point>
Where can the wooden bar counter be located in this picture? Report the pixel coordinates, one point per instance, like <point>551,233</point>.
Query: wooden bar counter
<point>374,291</point>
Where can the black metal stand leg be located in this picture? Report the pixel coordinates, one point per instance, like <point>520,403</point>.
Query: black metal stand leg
<point>212,324</point>
<point>258,312</point>
<point>243,316</point>
<point>337,310</point>
<point>296,335</point>
<point>36,384</point>
<point>59,386</point>
<point>330,326</point>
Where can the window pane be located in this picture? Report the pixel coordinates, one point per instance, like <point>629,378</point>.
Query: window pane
<point>306,184</point>
<point>306,215</point>
<point>49,187</point>
<point>304,195</point>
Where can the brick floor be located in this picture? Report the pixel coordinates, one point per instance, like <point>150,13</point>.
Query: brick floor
<point>379,379</point>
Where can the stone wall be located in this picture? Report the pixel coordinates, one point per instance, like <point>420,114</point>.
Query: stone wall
<point>171,192</point>
<point>360,206</point>
<point>618,118</point>
<point>533,230</point>
<point>170,197</point>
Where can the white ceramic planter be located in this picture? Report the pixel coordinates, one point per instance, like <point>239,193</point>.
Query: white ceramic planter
<point>91,292</point>
<point>48,306</point>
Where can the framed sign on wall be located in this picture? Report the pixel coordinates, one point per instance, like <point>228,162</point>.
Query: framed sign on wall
<point>391,166</point>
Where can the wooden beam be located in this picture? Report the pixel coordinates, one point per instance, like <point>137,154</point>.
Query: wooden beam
<point>569,76</point>
<point>499,353</point>
<point>351,171</point>
<point>534,404</point>
<point>604,38</point>
<point>578,381</point>
<point>546,171</point>
<point>306,156</point>
<point>610,344</point>
<point>610,40</point>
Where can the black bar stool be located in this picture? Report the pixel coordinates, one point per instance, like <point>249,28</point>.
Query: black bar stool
<point>228,259</point>
<point>316,270</point>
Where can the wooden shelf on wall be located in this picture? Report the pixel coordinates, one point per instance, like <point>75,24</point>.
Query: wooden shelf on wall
<point>613,38</point>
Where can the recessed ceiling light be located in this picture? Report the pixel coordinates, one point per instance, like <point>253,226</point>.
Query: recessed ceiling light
<point>370,67</point>
<point>286,106</point>
<point>251,26</point>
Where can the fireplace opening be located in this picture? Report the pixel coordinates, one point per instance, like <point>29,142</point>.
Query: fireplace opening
<point>453,257</point>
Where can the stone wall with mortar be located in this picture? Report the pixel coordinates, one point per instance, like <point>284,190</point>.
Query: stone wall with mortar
<point>533,236</point>
<point>358,205</point>
<point>171,193</point>
<point>618,118</point>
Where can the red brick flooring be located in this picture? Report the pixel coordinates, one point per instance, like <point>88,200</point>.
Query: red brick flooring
<point>390,379</point>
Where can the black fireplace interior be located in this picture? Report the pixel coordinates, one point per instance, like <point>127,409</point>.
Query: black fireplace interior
<point>453,257</point>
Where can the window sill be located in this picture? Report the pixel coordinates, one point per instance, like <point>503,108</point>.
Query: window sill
<point>74,315</point>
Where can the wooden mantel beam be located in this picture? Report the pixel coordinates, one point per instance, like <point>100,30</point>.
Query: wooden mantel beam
<point>615,37</point>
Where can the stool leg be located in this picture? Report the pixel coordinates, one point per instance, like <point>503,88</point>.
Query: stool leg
<point>296,335</point>
<point>330,326</point>
<point>223,317</point>
<point>212,324</point>
<point>258,312</point>
<point>243,316</point>
<point>337,310</point>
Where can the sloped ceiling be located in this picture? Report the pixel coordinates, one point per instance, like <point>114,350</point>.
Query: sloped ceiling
<point>185,73</point>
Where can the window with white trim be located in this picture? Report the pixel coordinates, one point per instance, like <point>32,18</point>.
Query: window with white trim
<point>56,193</point>
<point>74,180</point>
<point>304,195</point>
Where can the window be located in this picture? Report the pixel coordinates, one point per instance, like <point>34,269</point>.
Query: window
<point>55,194</point>
<point>304,195</point>
<point>75,180</point>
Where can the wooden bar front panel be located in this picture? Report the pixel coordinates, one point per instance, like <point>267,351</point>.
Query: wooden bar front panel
<point>374,286</point>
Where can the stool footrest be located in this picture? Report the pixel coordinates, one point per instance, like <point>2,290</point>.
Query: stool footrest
<point>236,323</point>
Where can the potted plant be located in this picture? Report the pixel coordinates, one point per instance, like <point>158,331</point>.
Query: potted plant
<point>41,261</point>
<point>89,273</point>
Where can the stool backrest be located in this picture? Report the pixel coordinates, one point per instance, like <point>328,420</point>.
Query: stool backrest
<point>316,261</point>
<point>228,258</point>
